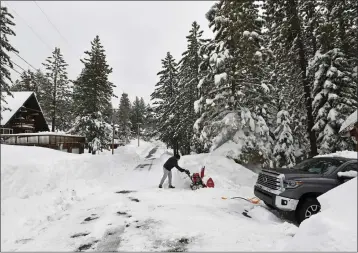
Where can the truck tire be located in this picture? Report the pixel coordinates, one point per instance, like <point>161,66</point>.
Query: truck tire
<point>306,208</point>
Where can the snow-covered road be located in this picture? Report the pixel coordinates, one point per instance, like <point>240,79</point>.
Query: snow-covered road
<point>112,203</point>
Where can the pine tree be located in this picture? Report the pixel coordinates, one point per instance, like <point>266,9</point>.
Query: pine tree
<point>163,97</point>
<point>188,93</point>
<point>291,39</point>
<point>284,150</point>
<point>92,96</point>
<point>93,90</point>
<point>30,81</point>
<point>124,113</point>
<point>39,82</point>
<point>149,129</point>
<point>56,90</point>
<point>137,114</point>
<point>5,47</point>
<point>334,101</point>
<point>332,71</point>
<point>233,91</point>
<point>27,81</point>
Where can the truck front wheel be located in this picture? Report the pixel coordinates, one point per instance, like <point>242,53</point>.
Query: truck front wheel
<point>306,208</point>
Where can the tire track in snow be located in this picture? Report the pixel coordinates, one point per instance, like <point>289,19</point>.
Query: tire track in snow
<point>111,240</point>
<point>149,157</point>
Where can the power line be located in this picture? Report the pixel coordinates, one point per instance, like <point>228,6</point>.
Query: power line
<point>17,65</point>
<point>38,36</point>
<point>25,61</point>
<point>15,71</point>
<point>48,19</point>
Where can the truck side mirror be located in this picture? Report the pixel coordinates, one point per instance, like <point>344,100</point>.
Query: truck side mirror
<point>346,175</point>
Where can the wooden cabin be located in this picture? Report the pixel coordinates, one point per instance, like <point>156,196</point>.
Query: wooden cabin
<point>23,123</point>
<point>24,114</point>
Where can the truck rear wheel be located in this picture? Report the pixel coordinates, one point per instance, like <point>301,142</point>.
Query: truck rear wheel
<point>306,208</point>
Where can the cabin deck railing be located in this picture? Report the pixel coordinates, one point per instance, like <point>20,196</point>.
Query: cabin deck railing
<point>58,142</point>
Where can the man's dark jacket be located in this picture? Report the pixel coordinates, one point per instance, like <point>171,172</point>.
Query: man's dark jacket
<point>171,163</point>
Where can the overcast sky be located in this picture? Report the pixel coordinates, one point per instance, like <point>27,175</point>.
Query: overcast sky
<point>136,36</point>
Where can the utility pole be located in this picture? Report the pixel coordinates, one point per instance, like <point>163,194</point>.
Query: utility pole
<point>138,133</point>
<point>113,110</point>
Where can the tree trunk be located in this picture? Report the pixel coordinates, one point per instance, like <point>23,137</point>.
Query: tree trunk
<point>296,27</point>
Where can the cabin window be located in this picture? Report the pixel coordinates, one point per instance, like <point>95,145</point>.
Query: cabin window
<point>6,130</point>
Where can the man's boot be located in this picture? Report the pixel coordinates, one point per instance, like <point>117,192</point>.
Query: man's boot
<point>170,186</point>
<point>160,186</point>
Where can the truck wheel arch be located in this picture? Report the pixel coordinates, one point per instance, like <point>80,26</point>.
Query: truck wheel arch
<point>310,195</point>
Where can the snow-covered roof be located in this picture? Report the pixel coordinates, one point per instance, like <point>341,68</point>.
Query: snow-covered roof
<point>348,124</point>
<point>48,134</point>
<point>13,103</point>
<point>344,154</point>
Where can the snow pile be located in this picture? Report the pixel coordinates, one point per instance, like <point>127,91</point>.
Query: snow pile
<point>335,227</point>
<point>220,78</point>
<point>44,183</point>
<point>345,154</point>
<point>350,174</point>
<point>55,201</point>
<point>348,124</point>
<point>229,149</point>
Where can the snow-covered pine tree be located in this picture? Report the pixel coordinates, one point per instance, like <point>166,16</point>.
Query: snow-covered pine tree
<point>291,44</point>
<point>6,24</point>
<point>233,69</point>
<point>188,92</point>
<point>56,92</point>
<point>30,81</point>
<point>334,99</point>
<point>332,69</point>
<point>26,82</point>
<point>149,129</point>
<point>142,109</point>
<point>40,80</point>
<point>137,114</point>
<point>284,150</point>
<point>163,97</point>
<point>201,144</point>
<point>124,119</point>
<point>92,95</point>
<point>134,115</point>
<point>16,86</point>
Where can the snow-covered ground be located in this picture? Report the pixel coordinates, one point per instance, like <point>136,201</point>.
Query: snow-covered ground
<point>335,227</point>
<point>56,201</point>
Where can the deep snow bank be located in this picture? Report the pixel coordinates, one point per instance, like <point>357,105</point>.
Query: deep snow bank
<point>38,184</point>
<point>84,185</point>
<point>226,173</point>
<point>335,227</point>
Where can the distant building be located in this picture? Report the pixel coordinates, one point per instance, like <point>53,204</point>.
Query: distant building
<point>24,124</point>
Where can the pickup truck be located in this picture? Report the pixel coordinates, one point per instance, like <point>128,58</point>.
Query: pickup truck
<point>296,190</point>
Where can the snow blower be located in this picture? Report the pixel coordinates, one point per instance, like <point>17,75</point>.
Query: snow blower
<point>197,180</point>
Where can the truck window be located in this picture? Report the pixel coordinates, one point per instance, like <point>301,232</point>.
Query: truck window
<point>318,166</point>
<point>309,165</point>
<point>329,165</point>
<point>352,166</point>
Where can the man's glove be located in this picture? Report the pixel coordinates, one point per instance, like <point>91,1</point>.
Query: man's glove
<point>187,172</point>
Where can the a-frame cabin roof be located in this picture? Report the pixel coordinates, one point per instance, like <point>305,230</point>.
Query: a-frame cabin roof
<point>14,104</point>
